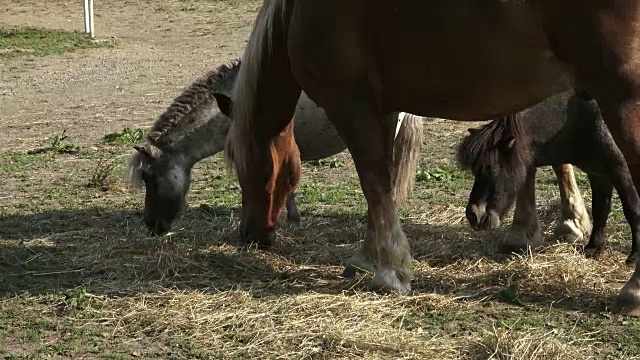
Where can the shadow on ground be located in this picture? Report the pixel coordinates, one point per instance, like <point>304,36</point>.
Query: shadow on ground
<point>108,253</point>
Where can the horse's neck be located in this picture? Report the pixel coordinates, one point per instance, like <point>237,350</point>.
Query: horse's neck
<point>205,139</point>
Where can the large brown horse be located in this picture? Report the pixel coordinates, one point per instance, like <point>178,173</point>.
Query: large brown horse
<point>469,60</point>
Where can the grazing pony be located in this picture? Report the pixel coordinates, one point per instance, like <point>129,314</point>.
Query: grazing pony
<point>565,128</point>
<point>474,60</point>
<point>193,128</point>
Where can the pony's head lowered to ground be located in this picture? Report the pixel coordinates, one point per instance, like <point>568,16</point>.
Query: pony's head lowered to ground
<point>191,128</point>
<point>498,154</point>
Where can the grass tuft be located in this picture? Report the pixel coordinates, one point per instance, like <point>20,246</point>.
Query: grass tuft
<point>41,41</point>
<point>126,137</point>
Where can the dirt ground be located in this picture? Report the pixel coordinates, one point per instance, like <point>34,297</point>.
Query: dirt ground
<point>80,278</point>
<point>163,47</point>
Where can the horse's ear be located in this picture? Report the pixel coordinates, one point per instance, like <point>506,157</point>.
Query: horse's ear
<point>148,150</point>
<point>472,131</point>
<point>140,149</point>
<point>225,104</point>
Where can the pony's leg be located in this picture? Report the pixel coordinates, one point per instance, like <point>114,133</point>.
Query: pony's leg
<point>629,199</point>
<point>369,137</point>
<point>601,44</point>
<point>601,190</point>
<point>621,112</point>
<point>574,221</point>
<point>293,214</point>
<point>525,230</point>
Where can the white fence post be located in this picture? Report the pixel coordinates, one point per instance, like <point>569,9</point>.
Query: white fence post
<point>88,18</point>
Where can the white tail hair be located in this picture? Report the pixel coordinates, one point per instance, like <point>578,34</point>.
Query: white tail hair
<point>406,155</point>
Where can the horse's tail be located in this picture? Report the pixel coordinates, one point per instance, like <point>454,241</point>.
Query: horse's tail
<point>270,24</point>
<point>406,156</point>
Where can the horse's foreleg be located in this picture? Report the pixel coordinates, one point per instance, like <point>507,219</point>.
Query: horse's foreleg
<point>601,190</point>
<point>574,221</point>
<point>369,137</point>
<point>525,230</point>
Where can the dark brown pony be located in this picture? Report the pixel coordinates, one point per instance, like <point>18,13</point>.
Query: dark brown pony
<point>468,60</point>
<point>504,154</point>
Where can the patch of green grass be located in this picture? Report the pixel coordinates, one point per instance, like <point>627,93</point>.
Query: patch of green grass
<point>434,319</point>
<point>437,174</point>
<point>330,194</point>
<point>40,42</point>
<point>76,299</point>
<point>60,349</point>
<point>62,145</point>
<point>118,356</point>
<point>58,144</point>
<point>332,163</point>
<point>444,177</point>
<point>33,335</point>
<point>22,162</point>
<point>125,137</point>
<point>102,175</point>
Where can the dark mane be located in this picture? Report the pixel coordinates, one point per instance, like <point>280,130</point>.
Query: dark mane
<point>196,94</point>
<point>487,146</point>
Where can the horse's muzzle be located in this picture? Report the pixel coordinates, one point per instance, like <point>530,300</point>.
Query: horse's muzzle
<point>481,219</point>
<point>264,237</point>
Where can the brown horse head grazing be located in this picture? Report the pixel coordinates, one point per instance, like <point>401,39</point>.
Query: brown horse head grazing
<point>475,60</point>
<point>272,144</point>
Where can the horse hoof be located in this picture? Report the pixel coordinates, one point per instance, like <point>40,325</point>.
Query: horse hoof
<point>389,281</point>
<point>571,231</point>
<point>628,300</point>
<point>350,272</point>
<point>632,310</point>
<point>631,260</point>
<point>356,264</point>
<point>294,217</point>
<point>260,245</point>
<point>594,253</point>
<point>514,248</point>
<point>519,242</point>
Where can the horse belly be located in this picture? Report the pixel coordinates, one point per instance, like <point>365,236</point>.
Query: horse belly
<point>459,63</point>
<point>456,59</point>
<point>315,135</point>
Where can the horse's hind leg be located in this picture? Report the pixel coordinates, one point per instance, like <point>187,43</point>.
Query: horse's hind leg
<point>601,190</point>
<point>623,183</point>
<point>574,221</point>
<point>524,232</point>
<point>621,112</point>
<point>293,214</point>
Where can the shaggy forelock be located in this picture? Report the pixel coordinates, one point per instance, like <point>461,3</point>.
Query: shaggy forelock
<point>134,171</point>
<point>478,152</point>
